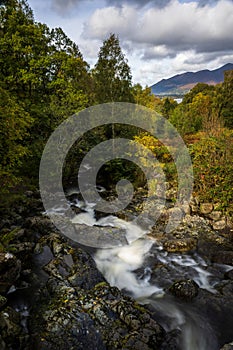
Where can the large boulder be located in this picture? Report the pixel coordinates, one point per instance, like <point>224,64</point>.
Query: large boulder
<point>227,346</point>
<point>184,289</point>
<point>77,308</point>
<point>10,268</point>
<point>179,245</point>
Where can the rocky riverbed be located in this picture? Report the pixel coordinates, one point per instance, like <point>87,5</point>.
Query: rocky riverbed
<point>52,296</point>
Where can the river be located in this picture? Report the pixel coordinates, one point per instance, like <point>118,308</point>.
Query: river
<point>130,268</point>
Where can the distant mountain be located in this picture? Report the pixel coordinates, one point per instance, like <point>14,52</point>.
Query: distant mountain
<point>182,83</point>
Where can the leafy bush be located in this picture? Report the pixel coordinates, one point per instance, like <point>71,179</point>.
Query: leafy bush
<point>213,168</point>
<point>161,153</point>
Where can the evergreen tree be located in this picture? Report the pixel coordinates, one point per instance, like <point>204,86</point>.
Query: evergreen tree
<point>112,74</point>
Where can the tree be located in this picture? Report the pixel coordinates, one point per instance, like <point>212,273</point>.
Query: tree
<point>144,97</point>
<point>181,121</point>
<point>225,99</point>
<point>212,159</point>
<point>14,126</point>
<point>43,74</point>
<point>168,106</point>
<point>112,74</point>
<point>205,89</point>
<point>22,43</point>
<point>198,111</point>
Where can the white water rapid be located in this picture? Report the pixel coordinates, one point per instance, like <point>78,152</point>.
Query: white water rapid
<point>127,268</point>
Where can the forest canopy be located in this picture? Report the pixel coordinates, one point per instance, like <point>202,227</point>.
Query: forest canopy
<point>44,79</point>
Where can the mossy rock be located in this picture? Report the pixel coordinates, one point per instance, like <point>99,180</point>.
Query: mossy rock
<point>179,245</point>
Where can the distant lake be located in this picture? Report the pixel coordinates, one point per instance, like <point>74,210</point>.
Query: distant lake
<point>178,100</point>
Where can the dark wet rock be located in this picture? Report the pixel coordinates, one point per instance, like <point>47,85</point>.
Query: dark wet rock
<point>33,194</point>
<point>190,233</point>
<point>157,235</point>
<point>2,344</point>
<point>72,306</point>
<point>171,341</point>
<point>226,288</point>
<point>72,313</point>
<point>87,275</point>
<point>223,257</point>
<point>80,309</point>
<point>99,214</point>
<point>36,207</point>
<point>218,309</point>
<point>40,224</point>
<point>11,332</point>
<point>3,300</point>
<point>229,274</point>
<point>184,289</point>
<point>74,197</point>
<point>101,318</point>
<point>10,268</point>
<point>42,255</point>
<point>23,250</point>
<point>15,209</point>
<point>63,324</point>
<point>227,346</point>
<point>100,237</point>
<point>77,210</point>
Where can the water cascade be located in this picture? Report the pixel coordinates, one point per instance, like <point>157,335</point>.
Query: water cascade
<point>127,268</point>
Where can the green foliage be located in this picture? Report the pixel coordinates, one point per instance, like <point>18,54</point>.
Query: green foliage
<point>15,123</point>
<point>144,97</point>
<point>168,106</point>
<point>198,111</point>
<point>44,80</point>
<point>199,119</point>
<point>203,88</point>
<point>112,74</point>
<point>213,167</point>
<point>225,100</point>
<point>117,169</point>
<point>160,152</point>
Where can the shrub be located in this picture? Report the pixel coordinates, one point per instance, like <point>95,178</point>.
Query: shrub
<point>213,168</point>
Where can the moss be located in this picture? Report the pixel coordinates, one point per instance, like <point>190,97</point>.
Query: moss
<point>3,300</point>
<point>139,307</point>
<point>8,237</point>
<point>12,249</point>
<point>8,200</point>
<point>2,248</point>
<point>100,285</point>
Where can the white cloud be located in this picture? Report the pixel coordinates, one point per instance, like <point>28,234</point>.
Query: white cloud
<point>60,5</point>
<point>177,27</point>
<point>157,51</point>
<point>163,41</point>
<point>160,38</point>
<point>118,20</point>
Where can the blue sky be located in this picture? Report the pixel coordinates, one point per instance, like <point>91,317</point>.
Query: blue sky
<point>159,38</point>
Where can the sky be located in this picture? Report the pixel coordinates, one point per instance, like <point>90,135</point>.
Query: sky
<point>159,38</point>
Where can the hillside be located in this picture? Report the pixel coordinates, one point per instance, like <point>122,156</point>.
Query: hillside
<point>182,83</point>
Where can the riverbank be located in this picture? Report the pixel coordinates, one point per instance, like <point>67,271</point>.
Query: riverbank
<point>54,297</point>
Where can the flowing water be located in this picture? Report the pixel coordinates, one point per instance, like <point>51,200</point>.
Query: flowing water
<point>127,268</point>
